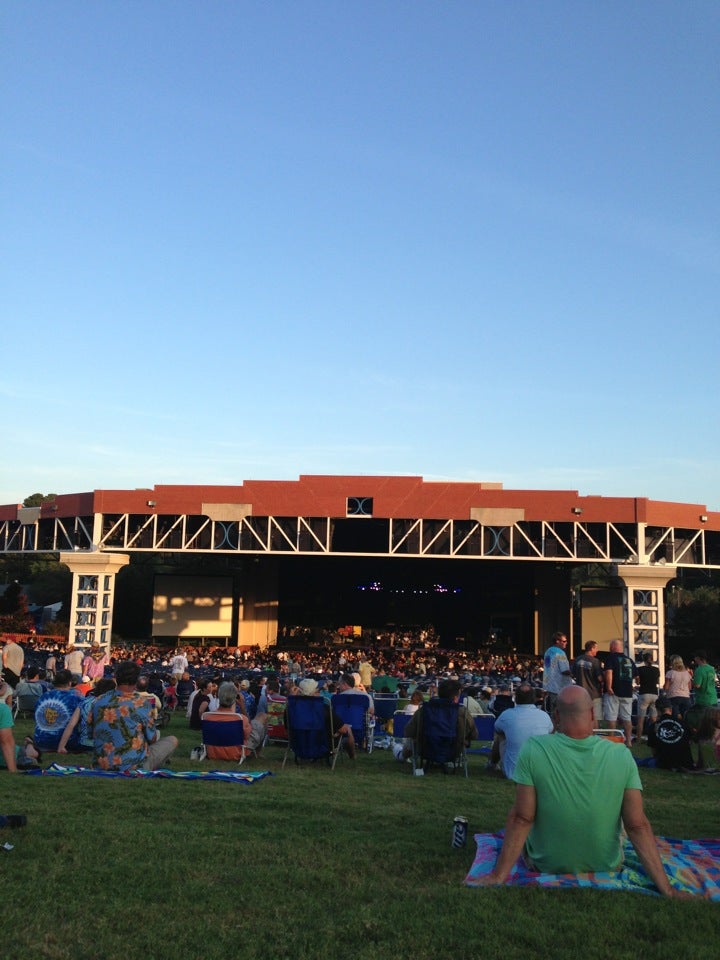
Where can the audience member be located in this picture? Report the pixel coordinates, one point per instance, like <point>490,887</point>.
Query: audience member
<point>649,678</point>
<point>254,730</point>
<point>7,694</point>
<point>620,672</point>
<point>678,686</point>
<point>704,682</point>
<point>447,690</point>
<point>311,688</point>
<point>200,703</point>
<point>122,727</point>
<point>79,719</point>
<point>587,672</point>
<point>12,756</point>
<point>670,740</point>
<point>516,726</point>
<point>95,661</point>
<point>503,700</point>
<point>13,659</point>
<point>476,708</point>
<point>74,661</point>
<point>178,667</point>
<point>53,712</point>
<point>575,792</point>
<point>249,698</point>
<point>556,670</point>
<point>415,702</point>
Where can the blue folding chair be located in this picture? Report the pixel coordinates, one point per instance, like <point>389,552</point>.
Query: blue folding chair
<point>354,709</point>
<point>484,732</point>
<point>224,737</point>
<point>485,726</point>
<point>400,721</point>
<point>385,706</point>
<point>310,730</point>
<point>439,741</point>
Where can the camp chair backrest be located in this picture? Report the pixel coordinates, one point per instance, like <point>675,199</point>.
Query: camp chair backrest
<point>385,705</point>
<point>223,735</point>
<point>308,734</point>
<point>276,729</point>
<point>25,703</point>
<point>400,721</point>
<point>352,708</point>
<point>439,742</point>
<point>485,726</point>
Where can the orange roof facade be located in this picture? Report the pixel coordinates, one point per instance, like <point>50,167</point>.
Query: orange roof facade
<point>392,497</point>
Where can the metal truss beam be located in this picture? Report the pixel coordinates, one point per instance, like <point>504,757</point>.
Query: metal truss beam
<point>556,541</point>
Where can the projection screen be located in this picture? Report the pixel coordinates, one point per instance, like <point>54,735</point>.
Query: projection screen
<point>192,607</point>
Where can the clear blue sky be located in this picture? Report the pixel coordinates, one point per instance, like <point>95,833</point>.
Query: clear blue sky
<point>462,240</point>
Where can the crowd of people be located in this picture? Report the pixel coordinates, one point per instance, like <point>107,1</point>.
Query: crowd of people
<point>107,706</point>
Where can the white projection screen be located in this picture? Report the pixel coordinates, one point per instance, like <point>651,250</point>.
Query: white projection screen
<point>192,607</point>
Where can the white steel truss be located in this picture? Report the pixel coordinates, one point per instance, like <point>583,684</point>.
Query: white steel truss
<point>557,541</point>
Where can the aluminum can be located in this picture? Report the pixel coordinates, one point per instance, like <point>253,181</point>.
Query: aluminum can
<point>460,831</point>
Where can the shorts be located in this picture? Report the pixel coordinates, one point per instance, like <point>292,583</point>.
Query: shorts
<point>646,705</point>
<point>617,708</point>
<point>159,752</point>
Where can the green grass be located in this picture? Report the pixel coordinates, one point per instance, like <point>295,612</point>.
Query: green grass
<point>309,863</point>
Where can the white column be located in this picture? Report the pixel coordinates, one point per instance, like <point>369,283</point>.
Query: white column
<point>93,594</point>
<point>644,610</point>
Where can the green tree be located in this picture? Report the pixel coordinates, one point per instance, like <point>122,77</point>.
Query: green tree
<point>37,499</point>
<point>694,621</point>
<point>14,616</point>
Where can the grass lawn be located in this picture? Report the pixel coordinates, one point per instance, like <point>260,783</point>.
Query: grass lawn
<point>308,863</point>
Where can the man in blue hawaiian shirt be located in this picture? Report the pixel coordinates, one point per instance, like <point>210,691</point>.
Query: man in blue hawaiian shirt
<point>122,727</point>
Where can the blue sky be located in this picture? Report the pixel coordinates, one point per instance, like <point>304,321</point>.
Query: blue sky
<point>461,240</point>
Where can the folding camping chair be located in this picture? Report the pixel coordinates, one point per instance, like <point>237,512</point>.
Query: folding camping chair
<point>400,721</point>
<point>485,727</point>
<point>310,730</point>
<point>276,729</point>
<point>385,706</point>
<point>485,733</point>
<point>439,741</point>
<point>354,709</point>
<point>223,736</point>
<point>24,705</point>
<point>610,734</point>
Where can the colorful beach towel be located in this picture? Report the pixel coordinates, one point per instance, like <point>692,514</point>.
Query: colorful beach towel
<point>231,776</point>
<point>692,865</point>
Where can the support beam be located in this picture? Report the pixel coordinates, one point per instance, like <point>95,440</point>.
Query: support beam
<point>93,593</point>
<point>258,604</point>
<point>644,610</point>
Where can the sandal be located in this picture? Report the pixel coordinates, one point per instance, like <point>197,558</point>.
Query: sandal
<point>29,742</point>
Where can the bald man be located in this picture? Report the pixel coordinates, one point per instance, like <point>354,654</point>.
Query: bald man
<point>574,793</point>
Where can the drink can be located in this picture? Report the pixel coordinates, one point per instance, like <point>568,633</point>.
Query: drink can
<point>460,831</point>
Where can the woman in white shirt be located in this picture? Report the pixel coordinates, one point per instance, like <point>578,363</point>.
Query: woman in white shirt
<point>678,681</point>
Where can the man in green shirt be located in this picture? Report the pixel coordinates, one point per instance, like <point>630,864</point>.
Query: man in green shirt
<point>574,792</point>
<point>704,681</point>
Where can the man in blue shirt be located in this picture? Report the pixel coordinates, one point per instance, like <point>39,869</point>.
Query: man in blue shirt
<point>121,724</point>
<point>556,670</point>
<point>514,727</point>
<point>53,712</point>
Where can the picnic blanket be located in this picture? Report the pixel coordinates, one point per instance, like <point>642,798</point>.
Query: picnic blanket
<point>231,776</point>
<point>692,865</point>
